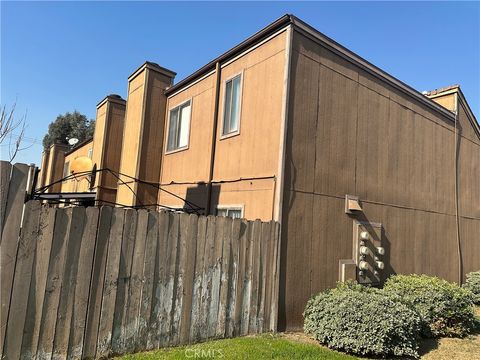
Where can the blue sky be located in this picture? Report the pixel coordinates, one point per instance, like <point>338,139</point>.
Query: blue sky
<point>61,56</point>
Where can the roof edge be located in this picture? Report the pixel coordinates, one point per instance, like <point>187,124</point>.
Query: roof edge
<point>470,114</point>
<point>78,146</point>
<point>278,24</point>
<point>369,67</point>
<point>298,24</point>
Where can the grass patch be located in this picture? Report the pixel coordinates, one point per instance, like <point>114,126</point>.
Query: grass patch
<point>299,346</point>
<point>267,346</point>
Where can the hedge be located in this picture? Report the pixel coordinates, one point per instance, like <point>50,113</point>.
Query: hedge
<point>473,284</point>
<point>363,321</point>
<point>446,309</point>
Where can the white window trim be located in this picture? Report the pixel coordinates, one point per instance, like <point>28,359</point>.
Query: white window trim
<point>240,207</point>
<point>183,148</point>
<point>224,86</point>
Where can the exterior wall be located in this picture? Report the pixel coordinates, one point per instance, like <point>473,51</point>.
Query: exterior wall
<point>107,146</point>
<point>131,142</point>
<point>143,139</point>
<point>469,188</point>
<point>54,170</point>
<point>245,165</point>
<point>42,175</point>
<point>81,183</point>
<point>350,133</point>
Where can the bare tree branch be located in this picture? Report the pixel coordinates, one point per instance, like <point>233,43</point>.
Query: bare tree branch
<point>12,130</point>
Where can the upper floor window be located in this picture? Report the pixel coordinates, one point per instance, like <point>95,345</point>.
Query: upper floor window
<point>179,126</point>
<point>66,169</point>
<point>232,104</point>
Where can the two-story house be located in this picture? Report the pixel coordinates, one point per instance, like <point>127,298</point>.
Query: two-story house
<point>366,175</point>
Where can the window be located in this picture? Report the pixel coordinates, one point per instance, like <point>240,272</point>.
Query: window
<point>179,127</point>
<point>232,103</point>
<point>233,212</point>
<point>89,154</point>
<point>66,168</point>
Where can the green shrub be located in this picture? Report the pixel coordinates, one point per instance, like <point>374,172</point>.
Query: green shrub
<point>473,284</point>
<point>445,308</point>
<point>362,321</point>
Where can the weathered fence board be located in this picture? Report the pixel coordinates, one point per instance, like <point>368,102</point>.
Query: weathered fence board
<point>38,283</point>
<point>188,233</point>
<point>195,327</point>
<point>21,281</point>
<point>96,285</point>
<point>111,281</point>
<point>67,293</point>
<point>11,221</point>
<point>146,279</point>
<point>132,308</point>
<point>82,284</point>
<point>92,282</point>
<point>5,173</point>
<point>124,277</point>
<point>54,281</point>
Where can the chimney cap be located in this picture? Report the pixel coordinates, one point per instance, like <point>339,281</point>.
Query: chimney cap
<point>112,98</point>
<point>154,67</point>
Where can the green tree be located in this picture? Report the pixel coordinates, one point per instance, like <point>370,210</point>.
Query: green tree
<point>67,126</point>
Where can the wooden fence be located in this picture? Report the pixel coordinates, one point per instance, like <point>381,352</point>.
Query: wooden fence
<point>91,282</point>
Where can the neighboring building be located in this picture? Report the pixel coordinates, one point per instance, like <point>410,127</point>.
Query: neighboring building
<point>81,183</point>
<point>52,167</point>
<point>104,150</point>
<point>284,126</point>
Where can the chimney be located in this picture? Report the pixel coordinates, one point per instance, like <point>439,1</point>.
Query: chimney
<point>107,145</point>
<point>143,134</point>
<point>42,176</point>
<point>55,165</point>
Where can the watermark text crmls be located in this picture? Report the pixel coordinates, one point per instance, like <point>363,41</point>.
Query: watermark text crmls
<point>204,353</point>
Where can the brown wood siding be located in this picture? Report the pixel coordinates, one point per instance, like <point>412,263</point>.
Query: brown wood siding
<point>113,142</point>
<point>349,133</point>
<point>245,165</point>
<point>112,150</point>
<point>56,158</point>
<point>131,140</point>
<point>152,138</point>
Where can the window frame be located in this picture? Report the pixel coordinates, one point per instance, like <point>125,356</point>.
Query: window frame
<point>240,207</point>
<point>240,103</point>
<point>186,147</point>
<point>66,168</point>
